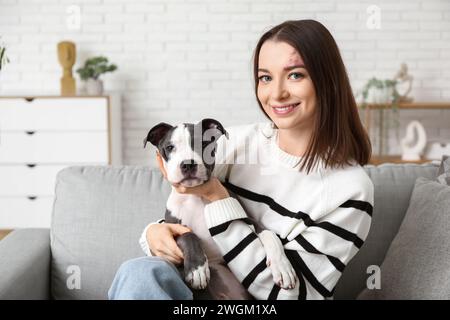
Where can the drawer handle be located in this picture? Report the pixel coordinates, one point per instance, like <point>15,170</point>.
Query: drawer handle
<point>31,165</point>
<point>32,197</point>
<point>29,99</point>
<point>30,132</point>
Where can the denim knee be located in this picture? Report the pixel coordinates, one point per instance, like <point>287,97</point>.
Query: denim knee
<point>149,278</point>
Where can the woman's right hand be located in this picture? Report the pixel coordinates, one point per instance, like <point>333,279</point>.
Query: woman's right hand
<point>161,241</point>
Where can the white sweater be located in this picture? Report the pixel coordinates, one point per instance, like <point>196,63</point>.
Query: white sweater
<point>321,218</point>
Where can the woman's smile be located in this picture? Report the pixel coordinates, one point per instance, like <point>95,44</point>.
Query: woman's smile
<point>283,110</point>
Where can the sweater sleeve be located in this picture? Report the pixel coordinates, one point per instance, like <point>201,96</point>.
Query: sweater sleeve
<point>143,239</point>
<point>318,249</point>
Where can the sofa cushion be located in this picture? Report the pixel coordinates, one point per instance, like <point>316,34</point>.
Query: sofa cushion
<point>393,185</point>
<point>98,216</point>
<point>417,264</point>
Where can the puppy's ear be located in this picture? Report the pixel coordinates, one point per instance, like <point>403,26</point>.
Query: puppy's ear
<point>156,133</point>
<point>213,124</point>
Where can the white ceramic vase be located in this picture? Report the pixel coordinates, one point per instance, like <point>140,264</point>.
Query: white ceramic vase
<point>383,95</point>
<point>94,87</point>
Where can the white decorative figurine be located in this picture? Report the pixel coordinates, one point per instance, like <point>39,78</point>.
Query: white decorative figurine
<point>414,142</point>
<point>404,78</point>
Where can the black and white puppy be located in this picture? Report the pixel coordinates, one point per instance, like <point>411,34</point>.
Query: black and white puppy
<point>188,152</point>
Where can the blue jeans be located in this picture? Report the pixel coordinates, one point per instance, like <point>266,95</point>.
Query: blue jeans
<point>149,278</point>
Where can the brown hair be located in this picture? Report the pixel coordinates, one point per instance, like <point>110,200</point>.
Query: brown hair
<point>339,136</point>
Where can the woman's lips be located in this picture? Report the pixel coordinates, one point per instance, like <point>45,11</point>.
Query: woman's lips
<point>285,109</point>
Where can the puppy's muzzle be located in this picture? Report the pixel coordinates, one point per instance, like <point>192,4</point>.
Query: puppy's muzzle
<point>188,167</point>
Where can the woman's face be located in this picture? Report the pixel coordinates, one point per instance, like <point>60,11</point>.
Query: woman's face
<point>285,89</point>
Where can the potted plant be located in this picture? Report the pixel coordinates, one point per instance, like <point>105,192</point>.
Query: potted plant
<point>380,92</point>
<point>91,71</point>
<point>3,57</point>
<point>384,94</point>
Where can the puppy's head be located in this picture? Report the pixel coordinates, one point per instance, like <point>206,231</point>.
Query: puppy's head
<point>188,150</point>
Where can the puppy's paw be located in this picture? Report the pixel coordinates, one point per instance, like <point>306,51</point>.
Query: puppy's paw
<point>282,272</point>
<point>198,277</point>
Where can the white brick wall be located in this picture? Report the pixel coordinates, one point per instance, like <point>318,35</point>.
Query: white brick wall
<point>182,60</point>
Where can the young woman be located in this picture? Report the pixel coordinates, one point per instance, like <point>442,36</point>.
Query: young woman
<point>307,185</point>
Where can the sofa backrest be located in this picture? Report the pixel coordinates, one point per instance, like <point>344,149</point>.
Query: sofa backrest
<point>100,212</point>
<point>98,216</point>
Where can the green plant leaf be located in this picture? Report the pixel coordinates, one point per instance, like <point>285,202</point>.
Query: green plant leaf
<point>94,67</point>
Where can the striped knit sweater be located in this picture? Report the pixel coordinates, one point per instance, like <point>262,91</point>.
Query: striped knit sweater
<point>321,218</point>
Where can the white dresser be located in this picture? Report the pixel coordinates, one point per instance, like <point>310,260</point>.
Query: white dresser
<point>41,135</point>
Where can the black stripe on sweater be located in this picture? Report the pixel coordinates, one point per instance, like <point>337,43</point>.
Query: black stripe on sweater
<point>301,287</point>
<point>224,226</point>
<point>338,264</point>
<point>340,232</point>
<point>260,267</point>
<point>239,247</point>
<point>274,292</point>
<point>301,268</point>
<point>299,273</point>
<point>360,205</point>
<point>267,200</point>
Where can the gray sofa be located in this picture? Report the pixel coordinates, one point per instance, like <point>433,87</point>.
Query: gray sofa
<point>100,212</point>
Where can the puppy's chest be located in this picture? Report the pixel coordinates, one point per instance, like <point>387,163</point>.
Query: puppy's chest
<point>190,210</point>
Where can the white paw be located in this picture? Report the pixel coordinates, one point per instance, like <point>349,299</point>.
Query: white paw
<point>198,278</point>
<point>282,272</point>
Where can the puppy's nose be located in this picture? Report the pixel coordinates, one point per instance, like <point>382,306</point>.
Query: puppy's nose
<point>188,167</point>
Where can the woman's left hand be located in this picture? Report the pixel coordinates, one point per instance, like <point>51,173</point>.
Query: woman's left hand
<point>211,190</point>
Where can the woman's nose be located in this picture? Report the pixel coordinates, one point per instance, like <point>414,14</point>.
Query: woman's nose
<point>280,91</point>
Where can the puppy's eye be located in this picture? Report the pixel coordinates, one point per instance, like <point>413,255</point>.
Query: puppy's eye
<point>170,147</point>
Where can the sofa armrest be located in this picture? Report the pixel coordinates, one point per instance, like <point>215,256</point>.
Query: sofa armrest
<point>25,264</point>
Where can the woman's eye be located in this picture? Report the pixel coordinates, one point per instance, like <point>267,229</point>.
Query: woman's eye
<point>296,75</point>
<point>264,78</point>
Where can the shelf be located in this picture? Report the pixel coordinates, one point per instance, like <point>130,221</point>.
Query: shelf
<point>32,97</point>
<point>412,105</point>
<point>375,160</point>
<point>4,233</point>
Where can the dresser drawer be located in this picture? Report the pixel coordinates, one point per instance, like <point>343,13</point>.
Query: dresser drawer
<point>28,180</point>
<point>54,147</point>
<point>21,212</point>
<point>17,114</point>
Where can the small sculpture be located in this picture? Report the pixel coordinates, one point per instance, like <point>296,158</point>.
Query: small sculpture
<point>414,142</point>
<point>67,57</point>
<point>402,77</point>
